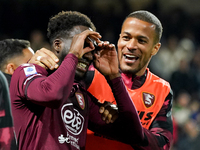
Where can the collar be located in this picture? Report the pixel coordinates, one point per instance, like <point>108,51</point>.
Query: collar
<point>132,81</point>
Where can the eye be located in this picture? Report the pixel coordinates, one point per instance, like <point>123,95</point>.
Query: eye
<point>125,37</point>
<point>142,41</point>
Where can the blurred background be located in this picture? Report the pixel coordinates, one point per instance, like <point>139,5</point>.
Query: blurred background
<point>178,60</point>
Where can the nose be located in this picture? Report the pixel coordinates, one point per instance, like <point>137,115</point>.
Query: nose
<point>132,44</point>
<point>88,56</point>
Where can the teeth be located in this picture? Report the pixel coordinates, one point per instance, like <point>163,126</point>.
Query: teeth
<point>131,56</point>
<point>82,65</point>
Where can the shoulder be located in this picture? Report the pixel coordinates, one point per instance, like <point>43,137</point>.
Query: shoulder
<point>27,70</point>
<point>158,80</point>
<point>160,85</point>
<point>30,69</point>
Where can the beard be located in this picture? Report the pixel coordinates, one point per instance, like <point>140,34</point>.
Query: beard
<point>129,71</point>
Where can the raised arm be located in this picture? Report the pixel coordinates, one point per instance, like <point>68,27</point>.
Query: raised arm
<point>53,89</point>
<point>42,89</point>
<point>128,123</point>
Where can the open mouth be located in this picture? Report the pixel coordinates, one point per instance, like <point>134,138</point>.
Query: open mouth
<point>130,58</point>
<point>82,66</point>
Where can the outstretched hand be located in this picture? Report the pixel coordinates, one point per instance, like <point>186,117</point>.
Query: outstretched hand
<point>106,60</point>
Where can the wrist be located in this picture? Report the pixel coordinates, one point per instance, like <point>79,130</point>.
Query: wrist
<point>113,76</point>
<point>75,54</point>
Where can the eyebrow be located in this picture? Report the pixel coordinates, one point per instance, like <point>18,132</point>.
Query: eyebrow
<point>143,37</point>
<point>140,36</point>
<point>126,33</point>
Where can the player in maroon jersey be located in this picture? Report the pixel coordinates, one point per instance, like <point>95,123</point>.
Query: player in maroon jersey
<point>52,110</point>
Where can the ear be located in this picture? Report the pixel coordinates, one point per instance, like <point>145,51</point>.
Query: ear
<point>10,68</point>
<point>156,49</point>
<point>57,45</point>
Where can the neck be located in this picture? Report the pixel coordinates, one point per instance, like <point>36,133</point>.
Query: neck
<point>133,81</point>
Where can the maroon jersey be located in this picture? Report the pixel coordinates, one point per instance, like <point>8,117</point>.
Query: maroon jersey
<point>52,112</point>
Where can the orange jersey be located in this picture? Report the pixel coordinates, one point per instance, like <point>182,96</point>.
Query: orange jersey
<point>148,100</point>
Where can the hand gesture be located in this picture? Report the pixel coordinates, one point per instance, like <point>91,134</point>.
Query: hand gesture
<point>78,42</point>
<point>106,60</point>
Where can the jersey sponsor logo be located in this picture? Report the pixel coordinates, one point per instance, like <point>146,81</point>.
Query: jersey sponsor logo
<point>30,70</point>
<point>72,119</point>
<point>69,139</point>
<point>145,117</point>
<point>80,100</point>
<point>148,99</point>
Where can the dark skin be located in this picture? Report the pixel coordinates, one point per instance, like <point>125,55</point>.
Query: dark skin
<point>104,60</point>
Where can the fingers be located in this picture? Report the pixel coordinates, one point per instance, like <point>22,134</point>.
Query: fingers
<point>106,45</point>
<point>45,58</point>
<point>79,40</point>
<point>50,54</point>
<point>105,49</point>
<point>109,112</point>
<point>94,39</point>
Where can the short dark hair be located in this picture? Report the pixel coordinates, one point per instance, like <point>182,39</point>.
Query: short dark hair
<point>151,18</point>
<point>10,48</point>
<point>60,24</point>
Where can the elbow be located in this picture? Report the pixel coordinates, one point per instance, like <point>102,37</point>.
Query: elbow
<point>55,100</point>
<point>47,95</point>
<point>138,137</point>
<point>52,100</point>
<point>135,129</point>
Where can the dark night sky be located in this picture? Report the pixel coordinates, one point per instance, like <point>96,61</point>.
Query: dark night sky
<point>19,17</point>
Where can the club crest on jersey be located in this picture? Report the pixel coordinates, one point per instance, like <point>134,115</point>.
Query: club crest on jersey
<point>148,99</point>
<point>80,100</point>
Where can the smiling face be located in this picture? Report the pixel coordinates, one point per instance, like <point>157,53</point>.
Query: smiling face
<point>136,45</point>
<point>63,47</point>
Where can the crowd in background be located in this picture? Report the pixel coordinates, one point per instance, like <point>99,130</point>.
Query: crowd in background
<point>178,60</point>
